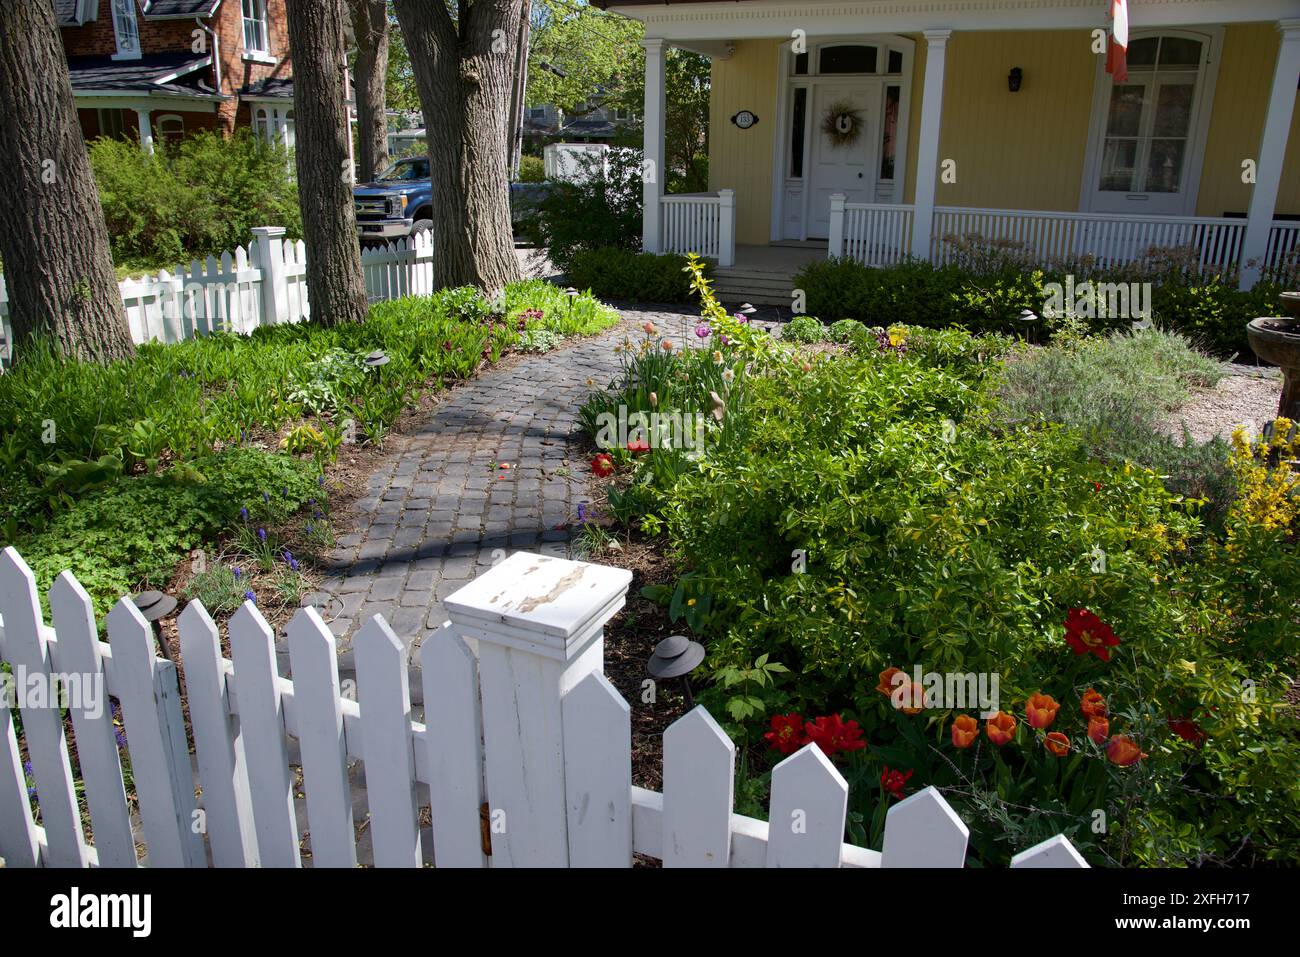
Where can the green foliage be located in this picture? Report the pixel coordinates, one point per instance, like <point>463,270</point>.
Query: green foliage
<point>845,330</point>
<point>531,169</point>
<point>613,273</point>
<point>989,285</point>
<point>883,507</point>
<point>601,210</point>
<point>803,329</point>
<point>1119,393</point>
<point>194,198</point>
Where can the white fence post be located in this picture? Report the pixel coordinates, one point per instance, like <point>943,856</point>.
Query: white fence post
<point>836,244</point>
<point>275,289</point>
<point>538,623</point>
<point>726,227</point>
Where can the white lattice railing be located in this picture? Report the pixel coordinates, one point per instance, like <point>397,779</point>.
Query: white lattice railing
<point>1283,239</point>
<point>702,223</point>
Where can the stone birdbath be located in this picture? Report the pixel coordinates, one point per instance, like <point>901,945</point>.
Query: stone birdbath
<point>1276,339</point>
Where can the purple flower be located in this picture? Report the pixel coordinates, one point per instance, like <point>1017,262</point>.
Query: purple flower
<point>317,514</point>
<point>321,481</point>
<point>266,497</point>
<point>703,331</point>
<point>243,514</point>
<point>724,340</point>
<point>309,528</point>
<point>261,535</point>
<point>249,596</point>
<point>582,512</point>
<point>237,572</point>
<point>740,317</point>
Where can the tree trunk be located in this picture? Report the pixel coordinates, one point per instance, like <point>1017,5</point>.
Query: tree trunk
<point>335,284</point>
<point>464,69</point>
<point>370,26</point>
<point>53,241</point>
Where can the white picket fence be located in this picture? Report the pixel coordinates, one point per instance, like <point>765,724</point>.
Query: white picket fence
<point>875,234</point>
<point>525,747</point>
<point>262,284</point>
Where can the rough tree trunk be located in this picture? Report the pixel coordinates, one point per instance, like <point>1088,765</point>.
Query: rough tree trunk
<point>464,69</point>
<point>334,281</point>
<point>370,26</point>
<point>53,240</point>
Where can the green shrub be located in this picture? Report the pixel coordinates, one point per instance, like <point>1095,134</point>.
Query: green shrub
<point>601,211</point>
<point>845,330</point>
<point>194,198</point>
<point>803,329</point>
<point>532,169</point>
<point>635,277</point>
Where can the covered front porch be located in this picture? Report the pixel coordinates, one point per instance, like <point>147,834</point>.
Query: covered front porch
<point>856,130</point>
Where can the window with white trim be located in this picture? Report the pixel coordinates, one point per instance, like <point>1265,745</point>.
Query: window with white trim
<point>170,126</point>
<point>256,33</point>
<point>1149,131</point>
<point>125,29</point>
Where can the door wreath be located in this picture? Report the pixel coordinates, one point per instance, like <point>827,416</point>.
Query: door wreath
<point>842,123</point>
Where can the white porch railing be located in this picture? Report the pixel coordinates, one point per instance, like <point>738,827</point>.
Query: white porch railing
<point>525,747</point>
<point>878,234</point>
<point>702,223</point>
<point>1112,240</point>
<point>261,285</point>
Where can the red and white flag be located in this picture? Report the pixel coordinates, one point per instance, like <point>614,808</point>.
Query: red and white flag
<point>1117,51</point>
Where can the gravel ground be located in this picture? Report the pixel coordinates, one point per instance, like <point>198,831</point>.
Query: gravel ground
<point>1246,397</point>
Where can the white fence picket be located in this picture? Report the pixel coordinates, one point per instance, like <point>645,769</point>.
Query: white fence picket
<point>1054,852</point>
<point>160,765</point>
<point>19,836</point>
<point>699,789</point>
<point>453,737</point>
<point>219,750</point>
<point>598,774</point>
<point>47,746</point>
<point>924,831</point>
<point>80,653</point>
<point>318,716</point>
<point>810,800</point>
<point>261,719</point>
<point>387,746</point>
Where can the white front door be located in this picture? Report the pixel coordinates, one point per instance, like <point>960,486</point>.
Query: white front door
<point>841,162</point>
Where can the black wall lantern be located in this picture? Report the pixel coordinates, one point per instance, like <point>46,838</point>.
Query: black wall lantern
<point>1015,78</point>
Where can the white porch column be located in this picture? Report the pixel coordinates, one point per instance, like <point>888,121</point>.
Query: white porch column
<point>538,626</point>
<point>726,228</point>
<point>1272,153</point>
<point>927,154</point>
<point>146,131</point>
<point>652,175</point>
<point>836,243</point>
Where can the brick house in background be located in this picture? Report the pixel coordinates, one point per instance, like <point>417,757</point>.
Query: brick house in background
<point>150,69</point>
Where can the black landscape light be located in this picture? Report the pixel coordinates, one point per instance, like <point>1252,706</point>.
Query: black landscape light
<point>376,359</point>
<point>155,606</point>
<point>676,657</point>
<point>1028,317</point>
<point>1015,79</point>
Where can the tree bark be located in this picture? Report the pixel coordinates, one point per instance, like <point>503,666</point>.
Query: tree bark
<point>370,27</point>
<point>464,69</point>
<point>335,285</point>
<point>53,241</point>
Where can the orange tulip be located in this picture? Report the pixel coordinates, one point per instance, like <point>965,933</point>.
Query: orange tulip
<point>1098,729</point>
<point>965,730</point>
<point>1092,704</point>
<point>1057,743</point>
<point>1041,710</point>
<point>1123,750</point>
<point>886,686</point>
<point>1001,728</point>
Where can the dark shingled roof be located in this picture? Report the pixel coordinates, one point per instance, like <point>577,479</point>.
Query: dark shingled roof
<point>272,86</point>
<point>142,75</point>
<point>597,129</point>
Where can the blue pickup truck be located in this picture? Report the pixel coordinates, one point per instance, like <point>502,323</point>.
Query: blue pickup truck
<point>398,202</point>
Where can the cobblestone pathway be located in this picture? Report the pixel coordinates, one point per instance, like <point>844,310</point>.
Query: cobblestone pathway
<point>439,506</point>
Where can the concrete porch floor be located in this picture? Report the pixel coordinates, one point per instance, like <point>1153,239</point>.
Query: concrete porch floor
<point>783,260</point>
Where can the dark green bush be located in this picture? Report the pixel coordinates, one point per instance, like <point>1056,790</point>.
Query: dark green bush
<point>194,198</point>
<point>636,277</point>
<point>602,210</point>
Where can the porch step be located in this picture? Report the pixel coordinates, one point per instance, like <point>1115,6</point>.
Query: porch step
<point>760,287</point>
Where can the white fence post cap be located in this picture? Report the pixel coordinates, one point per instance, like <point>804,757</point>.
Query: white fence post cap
<point>271,231</point>
<point>1053,852</point>
<point>549,606</point>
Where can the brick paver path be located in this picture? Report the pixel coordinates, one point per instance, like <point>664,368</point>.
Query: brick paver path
<point>438,509</point>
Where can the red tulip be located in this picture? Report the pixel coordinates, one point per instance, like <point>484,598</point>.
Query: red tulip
<point>1123,750</point>
<point>787,735</point>
<point>1085,632</point>
<point>833,735</point>
<point>1000,728</point>
<point>892,781</point>
<point>1040,710</point>
<point>965,730</point>
<point>602,465</point>
<point>1057,744</point>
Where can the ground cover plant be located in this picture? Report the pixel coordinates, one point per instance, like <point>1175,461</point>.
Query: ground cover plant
<point>857,522</point>
<point>120,471</point>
